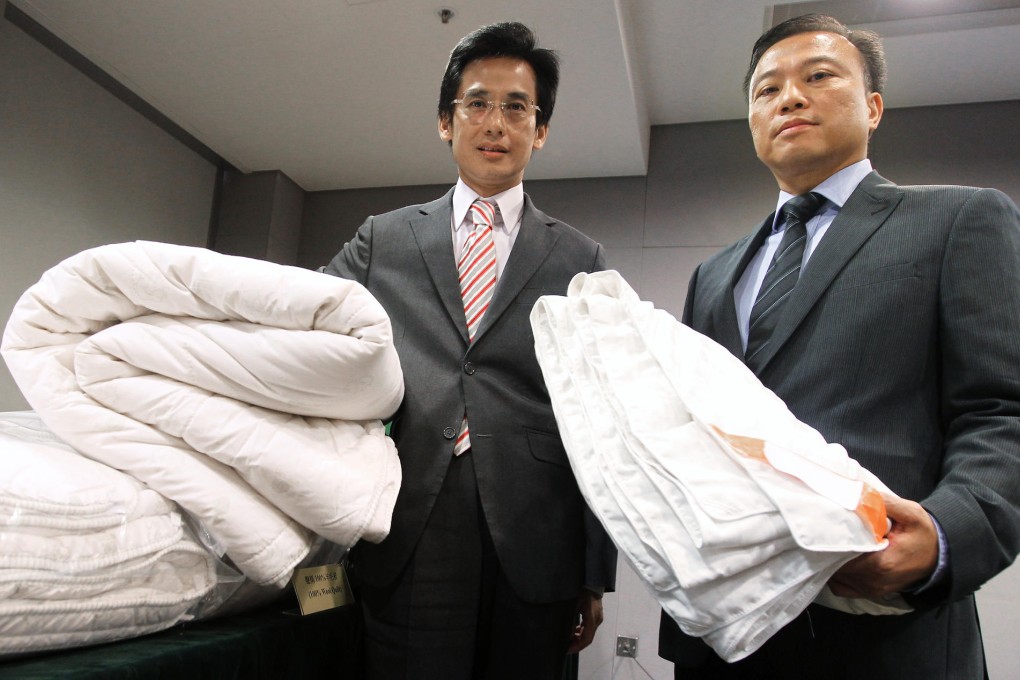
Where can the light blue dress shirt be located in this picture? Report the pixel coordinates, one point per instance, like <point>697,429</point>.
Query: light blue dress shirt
<point>836,189</point>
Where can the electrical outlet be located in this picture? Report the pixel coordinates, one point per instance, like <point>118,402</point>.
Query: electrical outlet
<point>626,646</point>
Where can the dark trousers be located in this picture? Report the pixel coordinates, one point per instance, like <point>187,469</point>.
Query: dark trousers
<point>759,666</point>
<point>451,614</point>
<point>825,644</point>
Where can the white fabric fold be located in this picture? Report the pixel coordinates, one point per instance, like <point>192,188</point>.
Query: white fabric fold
<point>249,393</point>
<point>733,512</point>
<point>88,554</point>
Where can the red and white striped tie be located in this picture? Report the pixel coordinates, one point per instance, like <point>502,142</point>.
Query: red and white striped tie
<point>477,267</point>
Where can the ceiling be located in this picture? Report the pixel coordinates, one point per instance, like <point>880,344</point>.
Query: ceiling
<point>341,94</point>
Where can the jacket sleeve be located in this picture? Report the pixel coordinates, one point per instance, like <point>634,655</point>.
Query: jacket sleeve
<point>353,260</point>
<point>977,498</point>
<point>600,556</point>
<point>600,259</point>
<point>688,313</point>
<point>600,552</point>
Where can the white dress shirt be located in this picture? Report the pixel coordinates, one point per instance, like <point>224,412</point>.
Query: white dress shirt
<point>504,231</point>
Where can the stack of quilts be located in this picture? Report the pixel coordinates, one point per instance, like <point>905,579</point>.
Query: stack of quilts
<point>734,513</point>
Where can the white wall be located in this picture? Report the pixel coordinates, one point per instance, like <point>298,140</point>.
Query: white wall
<point>79,168</point>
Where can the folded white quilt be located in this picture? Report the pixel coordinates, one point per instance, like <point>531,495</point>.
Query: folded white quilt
<point>248,392</point>
<point>89,554</point>
<point>733,512</point>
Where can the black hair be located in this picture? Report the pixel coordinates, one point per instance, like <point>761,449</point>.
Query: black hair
<point>504,39</point>
<point>867,43</point>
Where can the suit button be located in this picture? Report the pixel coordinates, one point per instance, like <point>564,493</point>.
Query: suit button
<point>469,368</point>
<point>450,433</point>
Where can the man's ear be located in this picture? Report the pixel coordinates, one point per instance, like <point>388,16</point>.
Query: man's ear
<point>446,129</point>
<point>875,108</point>
<point>540,136</point>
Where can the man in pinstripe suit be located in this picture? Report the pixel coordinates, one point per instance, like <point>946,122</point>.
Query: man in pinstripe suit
<point>494,568</point>
<point>900,340</point>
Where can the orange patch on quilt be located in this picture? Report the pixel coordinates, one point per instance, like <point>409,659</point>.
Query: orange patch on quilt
<point>870,508</point>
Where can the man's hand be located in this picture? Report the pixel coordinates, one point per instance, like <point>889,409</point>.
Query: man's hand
<point>589,609</point>
<point>909,559</point>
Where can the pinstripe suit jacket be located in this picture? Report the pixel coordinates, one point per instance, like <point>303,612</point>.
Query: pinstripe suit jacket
<point>548,544</point>
<point>901,341</point>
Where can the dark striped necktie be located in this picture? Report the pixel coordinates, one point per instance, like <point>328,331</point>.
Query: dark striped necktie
<point>781,276</point>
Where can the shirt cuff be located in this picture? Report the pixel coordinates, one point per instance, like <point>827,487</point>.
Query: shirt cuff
<point>943,564</point>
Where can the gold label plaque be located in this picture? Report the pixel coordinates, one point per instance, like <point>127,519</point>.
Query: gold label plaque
<point>321,588</point>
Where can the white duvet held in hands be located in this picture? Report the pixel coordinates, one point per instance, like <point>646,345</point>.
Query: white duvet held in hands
<point>248,392</point>
<point>734,513</point>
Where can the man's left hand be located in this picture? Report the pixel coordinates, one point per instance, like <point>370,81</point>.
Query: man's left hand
<point>909,559</point>
<point>589,610</point>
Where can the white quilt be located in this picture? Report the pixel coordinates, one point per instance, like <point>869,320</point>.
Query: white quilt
<point>732,512</point>
<point>249,393</point>
<point>89,554</point>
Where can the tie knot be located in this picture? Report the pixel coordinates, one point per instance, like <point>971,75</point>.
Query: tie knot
<point>802,208</point>
<point>483,213</point>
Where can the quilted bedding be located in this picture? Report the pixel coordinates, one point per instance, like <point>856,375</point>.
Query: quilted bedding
<point>89,554</point>
<point>733,513</point>
<point>248,393</point>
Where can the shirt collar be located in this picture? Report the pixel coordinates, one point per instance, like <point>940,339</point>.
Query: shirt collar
<point>837,188</point>
<point>510,202</point>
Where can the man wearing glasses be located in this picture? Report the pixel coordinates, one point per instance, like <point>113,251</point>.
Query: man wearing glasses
<point>493,567</point>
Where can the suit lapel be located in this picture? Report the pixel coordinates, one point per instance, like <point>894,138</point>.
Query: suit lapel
<point>434,234</point>
<point>868,207</point>
<point>534,242</point>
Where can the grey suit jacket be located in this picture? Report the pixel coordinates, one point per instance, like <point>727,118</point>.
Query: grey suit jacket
<point>547,542</point>
<point>901,341</point>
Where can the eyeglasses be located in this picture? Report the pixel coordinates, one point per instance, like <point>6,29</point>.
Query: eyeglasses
<point>476,109</point>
